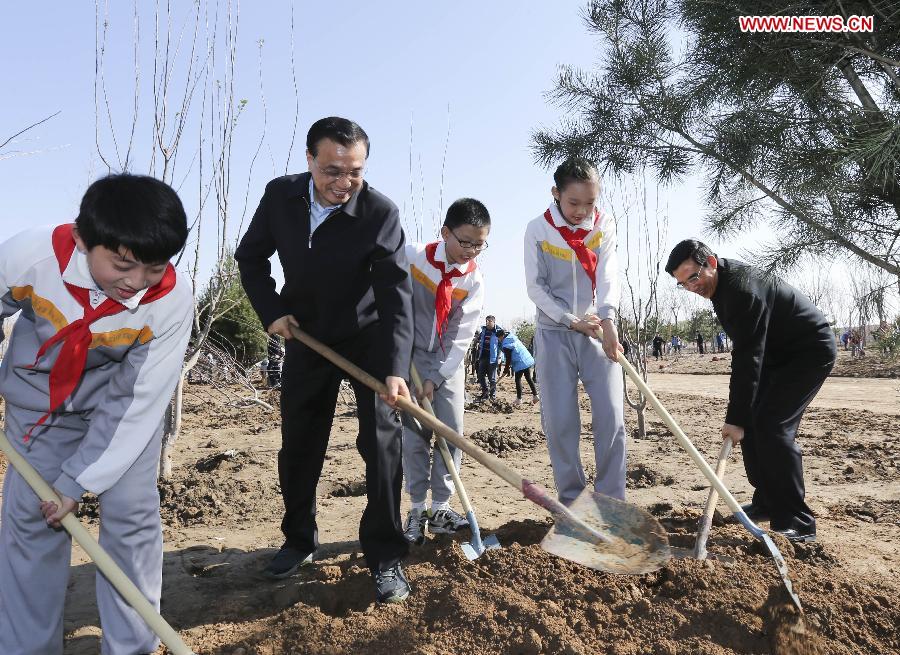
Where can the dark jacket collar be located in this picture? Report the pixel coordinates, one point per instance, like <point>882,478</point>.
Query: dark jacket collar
<point>351,207</point>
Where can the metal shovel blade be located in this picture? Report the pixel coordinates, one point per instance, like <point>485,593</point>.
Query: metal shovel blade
<point>488,543</point>
<point>634,542</point>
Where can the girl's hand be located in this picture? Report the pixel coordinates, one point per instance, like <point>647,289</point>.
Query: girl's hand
<point>611,345</point>
<point>53,513</point>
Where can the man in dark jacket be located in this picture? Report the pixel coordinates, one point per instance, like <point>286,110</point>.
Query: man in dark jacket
<point>339,242</point>
<point>782,351</point>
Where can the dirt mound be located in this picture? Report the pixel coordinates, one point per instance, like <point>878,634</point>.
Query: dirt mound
<point>519,599</point>
<point>496,406</point>
<point>870,511</point>
<point>502,440</point>
<point>641,477</point>
<point>225,488</point>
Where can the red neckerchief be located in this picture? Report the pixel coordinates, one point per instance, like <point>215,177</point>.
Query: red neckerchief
<point>444,293</point>
<point>575,240</point>
<point>76,336</point>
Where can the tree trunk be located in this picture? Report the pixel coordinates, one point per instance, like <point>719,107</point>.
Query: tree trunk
<point>171,430</point>
<point>641,425</point>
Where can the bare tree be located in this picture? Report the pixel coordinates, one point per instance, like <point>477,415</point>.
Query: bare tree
<point>194,103</point>
<point>10,153</point>
<point>643,231</point>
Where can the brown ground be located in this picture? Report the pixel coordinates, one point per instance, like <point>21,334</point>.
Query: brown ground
<point>873,365</point>
<point>221,511</point>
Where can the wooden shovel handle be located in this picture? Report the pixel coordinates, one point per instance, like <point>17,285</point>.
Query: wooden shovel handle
<point>101,558</point>
<point>709,510</point>
<point>682,438</point>
<point>532,491</point>
<point>405,404</point>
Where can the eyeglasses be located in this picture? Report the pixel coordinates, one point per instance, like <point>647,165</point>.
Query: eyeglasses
<point>336,174</point>
<point>690,279</point>
<point>469,245</point>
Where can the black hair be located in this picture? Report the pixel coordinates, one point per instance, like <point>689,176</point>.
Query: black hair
<point>688,249</point>
<point>574,169</point>
<point>467,211</point>
<point>136,212</point>
<point>340,130</point>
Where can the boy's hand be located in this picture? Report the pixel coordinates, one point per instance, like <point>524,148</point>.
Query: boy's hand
<point>427,390</point>
<point>587,327</point>
<point>54,514</point>
<point>396,386</point>
<point>611,345</point>
<point>283,325</point>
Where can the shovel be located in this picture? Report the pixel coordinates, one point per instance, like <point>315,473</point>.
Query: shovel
<point>716,483</point>
<point>600,532</point>
<point>710,509</point>
<point>101,558</point>
<point>476,547</point>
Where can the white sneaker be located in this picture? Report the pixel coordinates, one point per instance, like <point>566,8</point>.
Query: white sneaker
<point>446,521</point>
<point>517,402</point>
<point>414,530</point>
<point>535,399</point>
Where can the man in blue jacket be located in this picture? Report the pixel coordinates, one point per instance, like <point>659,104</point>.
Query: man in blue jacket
<point>488,356</point>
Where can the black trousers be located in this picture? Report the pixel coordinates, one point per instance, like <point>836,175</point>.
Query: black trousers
<point>772,458</point>
<point>526,373</point>
<point>309,391</point>
<point>487,374</point>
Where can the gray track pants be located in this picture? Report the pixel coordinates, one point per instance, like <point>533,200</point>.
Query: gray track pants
<point>34,559</point>
<point>564,356</point>
<point>423,468</point>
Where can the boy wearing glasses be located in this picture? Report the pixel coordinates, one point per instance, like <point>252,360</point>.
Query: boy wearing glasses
<point>448,293</point>
<point>782,351</point>
<point>340,245</point>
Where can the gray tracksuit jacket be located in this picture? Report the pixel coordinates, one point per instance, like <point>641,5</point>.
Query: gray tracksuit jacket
<point>557,283</point>
<point>445,357</point>
<point>133,364</point>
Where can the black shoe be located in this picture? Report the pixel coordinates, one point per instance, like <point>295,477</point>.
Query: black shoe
<point>755,513</point>
<point>287,562</point>
<point>798,537</point>
<point>391,585</point>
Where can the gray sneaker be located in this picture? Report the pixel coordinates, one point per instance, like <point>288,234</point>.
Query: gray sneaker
<point>391,585</point>
<point>414,530</point>
<point>287,562</point>
<point>446,521</point>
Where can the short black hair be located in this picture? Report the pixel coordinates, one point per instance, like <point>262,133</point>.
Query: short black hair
<point>574,169</point>
<point>467,211</point>
<point>340,130</point>
<point>136,212</point>
<point>688,249</point>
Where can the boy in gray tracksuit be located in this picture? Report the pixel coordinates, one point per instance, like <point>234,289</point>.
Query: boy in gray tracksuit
<point>571,276</point>
<point>447,300</point>
<point>91,365</point>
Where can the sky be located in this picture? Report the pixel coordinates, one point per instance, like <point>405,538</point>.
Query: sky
<point>455,88</point>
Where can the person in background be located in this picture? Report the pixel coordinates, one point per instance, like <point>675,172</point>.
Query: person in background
<point>488,357</point>
<point>520,361</point>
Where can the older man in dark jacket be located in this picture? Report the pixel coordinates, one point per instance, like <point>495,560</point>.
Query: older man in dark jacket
<point>782,351</point>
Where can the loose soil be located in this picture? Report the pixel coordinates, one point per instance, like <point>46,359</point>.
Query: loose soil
<point>221,511</point>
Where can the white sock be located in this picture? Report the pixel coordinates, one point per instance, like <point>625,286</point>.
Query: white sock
<point>418,507</point>
<point>436,507</point>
